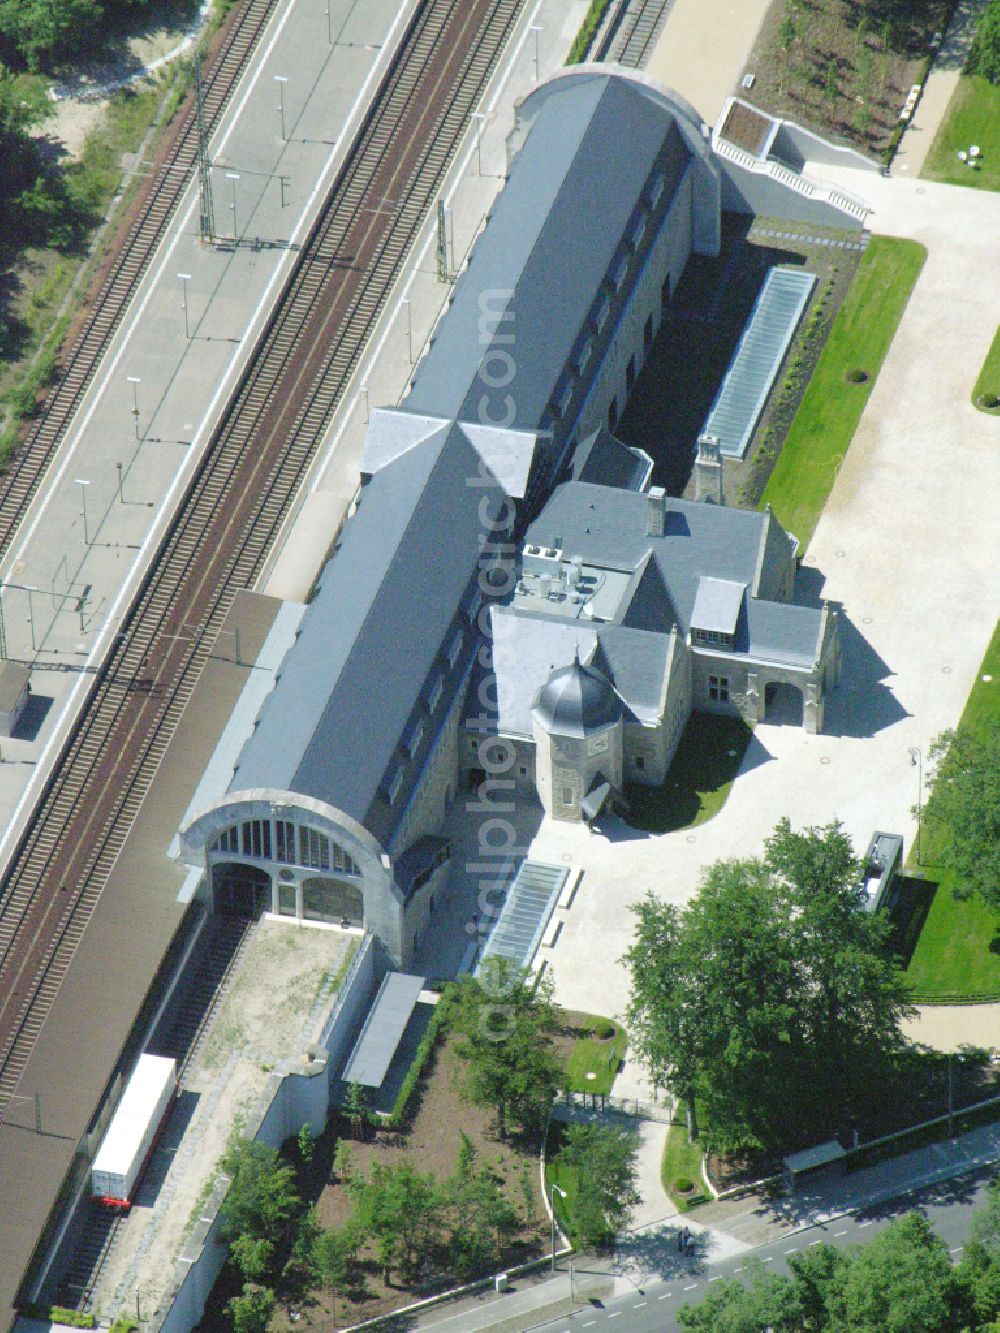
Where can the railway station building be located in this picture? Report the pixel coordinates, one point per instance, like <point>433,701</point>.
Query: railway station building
<point>502,532</point>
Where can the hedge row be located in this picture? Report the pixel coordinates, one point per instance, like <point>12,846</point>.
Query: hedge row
<point>592,21</point>
<point>428,1041</point>
<point>57,1314</point>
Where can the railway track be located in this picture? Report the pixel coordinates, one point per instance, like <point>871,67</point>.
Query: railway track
<point>169,180</point>
<point>639,30</point>
<point>237,501</point>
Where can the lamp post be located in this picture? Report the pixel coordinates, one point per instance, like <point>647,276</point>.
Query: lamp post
<point>917,762</point>
<point>135,381</point>
<point>538,32</point>
<point>234,177</point>
<point>480,118</point>
<point>280,80</point>
<point>185,279</point>
<point>553,1191</point>
<point>409,328</point>
<point>83,507</point>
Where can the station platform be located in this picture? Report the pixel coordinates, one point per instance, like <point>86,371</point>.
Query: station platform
<point>91,533</point>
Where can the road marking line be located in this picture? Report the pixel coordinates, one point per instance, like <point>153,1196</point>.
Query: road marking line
<point>616,1315</point>
<point>841,1233</point>
<point>815,1242</point>
<point>769,1259</point>
<point>715,1279</point>
<point>589,1324</point>
<point>957,1250</point>
<point>864,1224</point>
<point>659,1298</point>
<point>738,1270</point>
<point>793,1249</point>
<point>691,1287</point>
<point>639,1304</point>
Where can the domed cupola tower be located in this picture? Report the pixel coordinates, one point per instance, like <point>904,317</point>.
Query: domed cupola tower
<point>577,725</point>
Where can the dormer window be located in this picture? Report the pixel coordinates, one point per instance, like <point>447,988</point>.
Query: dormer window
<point>712,638</point>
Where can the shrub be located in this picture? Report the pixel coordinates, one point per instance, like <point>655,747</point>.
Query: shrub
<point>984,53</point>
<point>591,22</point>
<point>423,1052</point>
<point>857,376</point>
<point>683,1184</point>
<point>57,1314</point>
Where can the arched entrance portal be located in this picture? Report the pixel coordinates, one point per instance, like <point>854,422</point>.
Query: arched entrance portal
<point>326,899</point>
<point>783,704</point>
<point>239,890</point>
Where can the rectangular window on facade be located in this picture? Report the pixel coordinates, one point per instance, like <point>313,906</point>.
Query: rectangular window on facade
<point>394,785</point>
<point>286,899</point>
<point>640,761</point>
<point>455,648</point>
<point>718,689</point>
<point>567,795</point>
<point>284,836</point>
<point>434,698</point>
<point>523,771</point>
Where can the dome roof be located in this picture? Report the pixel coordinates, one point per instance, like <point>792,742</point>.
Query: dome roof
<point>577,700</point>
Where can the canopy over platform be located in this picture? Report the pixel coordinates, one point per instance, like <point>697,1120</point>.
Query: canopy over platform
<point>383,1030</point>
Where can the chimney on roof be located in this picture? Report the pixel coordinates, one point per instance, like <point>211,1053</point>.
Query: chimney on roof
<point>708,470</point>
<point>656,511</point>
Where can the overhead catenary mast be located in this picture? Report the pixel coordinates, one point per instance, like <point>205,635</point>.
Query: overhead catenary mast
<point>206,212</point>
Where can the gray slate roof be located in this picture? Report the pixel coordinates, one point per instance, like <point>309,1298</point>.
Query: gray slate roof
<point>550,240</point>
<point>608,526</point>
<point>527,649</point>
<point>602,459</point>
<point>373,633</point>
<point>717,604</point>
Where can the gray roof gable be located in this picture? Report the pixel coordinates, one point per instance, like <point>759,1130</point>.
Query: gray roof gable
<point>549,242</point>
<point>373,633</point>
<point>608,526</point>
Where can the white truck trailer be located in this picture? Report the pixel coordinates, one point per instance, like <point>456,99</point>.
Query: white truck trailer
<point>134,1130</point>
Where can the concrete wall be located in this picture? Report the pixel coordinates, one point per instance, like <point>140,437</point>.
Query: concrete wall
<point>747,192</point>
<point>794,146</point>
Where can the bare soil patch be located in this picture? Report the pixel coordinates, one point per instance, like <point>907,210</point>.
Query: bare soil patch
<point>844,67</point>
<point>431,1141</point>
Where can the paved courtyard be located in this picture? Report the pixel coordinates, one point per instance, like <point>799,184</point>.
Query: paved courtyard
<point>907,543</point>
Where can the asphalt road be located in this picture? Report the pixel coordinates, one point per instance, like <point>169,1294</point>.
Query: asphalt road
<point>949,1207</point>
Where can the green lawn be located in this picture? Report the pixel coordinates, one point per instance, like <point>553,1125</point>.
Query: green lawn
<point>590,1056</point>
<point>989,377</point>
<point>973,118</point>
<point>954,959</point>
<point>707,760</point>
<point>831,408</point>
<point>682,1160</point>
<point>566,1177</point>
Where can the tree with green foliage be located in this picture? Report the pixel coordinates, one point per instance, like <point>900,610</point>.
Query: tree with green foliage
<point>306,1144</point>
<point>768,1303</point>
<point>482,1218</point>
<point>507,1024</point>
<point>356,1107</point>
<point>787,33</point>
<point>45,31</point>
<point>902,1282</point>
<point>333,1257</point>
<point>262,1198</point>
<point>831,85</point>
<point>343,1161</point>
<point>400,1208</point>
<point>984,53</point>
<point>252,1255</point>
<point>772,999</point>
<point>251,1312</point>
<point>964,807</point>
<point>603,1157</point>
